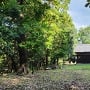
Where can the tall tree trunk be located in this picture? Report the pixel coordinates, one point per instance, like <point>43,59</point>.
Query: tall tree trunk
<point>22,52</point>
<point>46,57</point>
<point>23,60</point>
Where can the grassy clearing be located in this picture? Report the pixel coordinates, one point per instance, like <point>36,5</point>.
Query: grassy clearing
<point>78,67</point>
<point>58,79</point>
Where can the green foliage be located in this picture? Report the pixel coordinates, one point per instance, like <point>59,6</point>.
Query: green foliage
<point>84,35</point>
<point>36,26</point>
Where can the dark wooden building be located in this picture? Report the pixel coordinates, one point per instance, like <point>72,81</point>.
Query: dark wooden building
<point>82,53</point>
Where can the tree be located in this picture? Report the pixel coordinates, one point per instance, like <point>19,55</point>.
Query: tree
<point>84,35</point>
<point>31,30</point>
<point>87,4</point>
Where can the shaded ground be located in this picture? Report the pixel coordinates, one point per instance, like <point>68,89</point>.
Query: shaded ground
<point>69,78</point>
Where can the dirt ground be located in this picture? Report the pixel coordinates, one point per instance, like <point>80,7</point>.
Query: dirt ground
<point>64,79</point>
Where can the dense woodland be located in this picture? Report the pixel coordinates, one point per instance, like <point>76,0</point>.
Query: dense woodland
<point>34,34</point>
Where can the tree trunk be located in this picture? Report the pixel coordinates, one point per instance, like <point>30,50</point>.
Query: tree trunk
<point>46,57</point>
<point>23,68</point>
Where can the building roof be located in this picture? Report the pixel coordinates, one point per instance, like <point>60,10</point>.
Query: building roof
<point>82,48</point>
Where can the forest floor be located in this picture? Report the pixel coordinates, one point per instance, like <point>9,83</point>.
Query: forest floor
<point>70,77</point>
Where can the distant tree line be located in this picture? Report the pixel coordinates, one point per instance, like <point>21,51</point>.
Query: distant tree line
<point>84,35</point>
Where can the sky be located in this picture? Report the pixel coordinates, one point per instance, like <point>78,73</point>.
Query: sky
<point>79,13</point>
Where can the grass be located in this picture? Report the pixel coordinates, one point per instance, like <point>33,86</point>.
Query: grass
<point>58,79</point>
<point>78,67</point>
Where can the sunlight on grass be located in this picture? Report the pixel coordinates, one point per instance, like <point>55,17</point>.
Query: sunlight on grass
<point>78,67</point>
